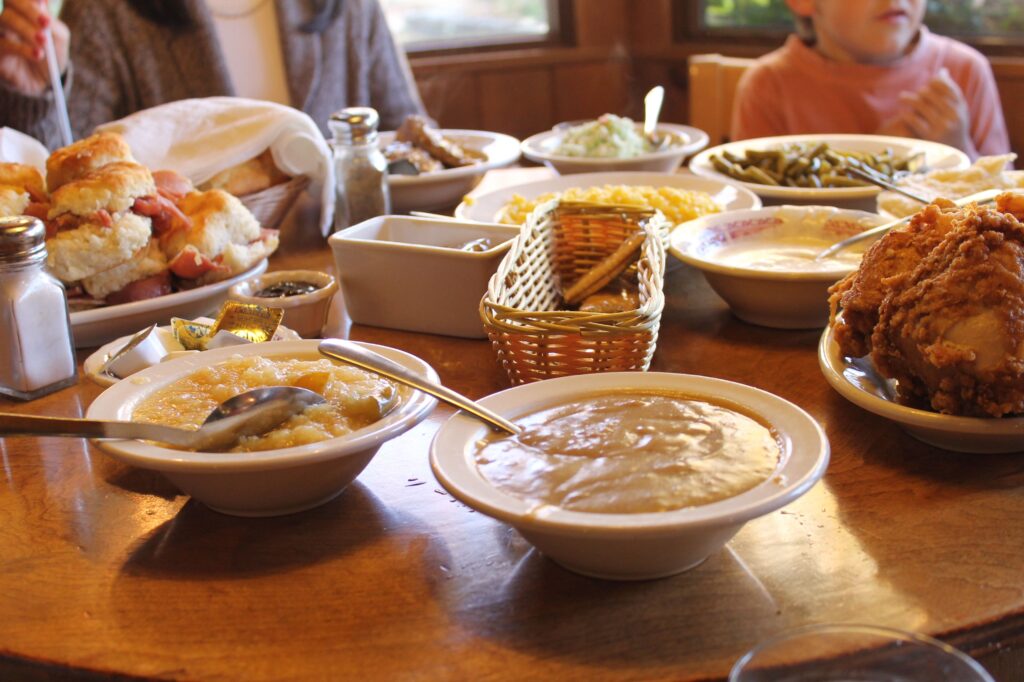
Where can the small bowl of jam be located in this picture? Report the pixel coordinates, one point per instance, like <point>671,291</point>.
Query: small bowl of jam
<point>305,296</point>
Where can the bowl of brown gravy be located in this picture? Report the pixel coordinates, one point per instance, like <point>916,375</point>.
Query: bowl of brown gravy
<point>631,476</point>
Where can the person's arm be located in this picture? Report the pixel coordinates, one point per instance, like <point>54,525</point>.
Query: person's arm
<point>92,81</point>
<point>26,102</point>
<point>393,90</point>
<point>756,109</point>
<point>988,127</point>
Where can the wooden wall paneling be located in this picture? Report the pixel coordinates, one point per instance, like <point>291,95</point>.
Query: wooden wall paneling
<point>518,102</point>
<point>603,22</point>
<point>589,90</point>
<point>1009,73</point>
<point>452,99</point>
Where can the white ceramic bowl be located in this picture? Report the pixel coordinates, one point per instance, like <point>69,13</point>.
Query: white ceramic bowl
<point>445,188</point>
<point>487,206</point>
<point>409,273</point>
<point>632,546</point>
<point>857,380</point>
<point>783,294</point>
<point>936,156</point>
<point>306,314</point>
<point>687,140</point>
<point>267,483</point>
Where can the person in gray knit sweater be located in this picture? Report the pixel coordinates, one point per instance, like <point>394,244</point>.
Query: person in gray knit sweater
<point>127,55</point>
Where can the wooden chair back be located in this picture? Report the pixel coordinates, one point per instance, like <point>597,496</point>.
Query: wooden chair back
<point>713,80</point>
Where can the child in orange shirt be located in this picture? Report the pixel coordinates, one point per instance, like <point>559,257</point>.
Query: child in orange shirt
<point>872,67</point>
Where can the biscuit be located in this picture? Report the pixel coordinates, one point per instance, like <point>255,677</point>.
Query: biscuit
<point>147,262</point>
<point>73,255</point>
<point>240,257</point>
<point>114,187</point>
<point>600,275</point>
<point>71,162</point>
<point>218,220</point>
<point>13,200</point>
<point>28,178</point>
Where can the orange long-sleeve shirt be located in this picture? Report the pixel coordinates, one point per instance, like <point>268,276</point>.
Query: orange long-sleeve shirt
<point>796,90</point>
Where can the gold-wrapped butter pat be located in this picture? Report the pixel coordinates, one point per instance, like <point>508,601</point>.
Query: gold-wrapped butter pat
<point>191,335</point>
<point>255,323</point>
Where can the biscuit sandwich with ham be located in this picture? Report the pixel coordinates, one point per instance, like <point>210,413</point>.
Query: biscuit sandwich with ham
<point>22,191</point>
<point>222,238</point>
<point>91,222</point>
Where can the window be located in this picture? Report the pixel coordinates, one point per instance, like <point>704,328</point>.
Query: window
<point>421,25</point>
<point>980,22</point>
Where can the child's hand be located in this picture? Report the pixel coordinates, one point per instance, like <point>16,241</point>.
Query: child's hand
<point>936,112</point>
<point>22,57</point>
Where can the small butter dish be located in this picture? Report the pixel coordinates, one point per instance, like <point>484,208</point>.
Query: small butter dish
<point>419,274</point>
<point>304,295</point>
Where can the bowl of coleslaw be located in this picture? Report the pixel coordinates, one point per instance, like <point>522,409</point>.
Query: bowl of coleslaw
<point>613,143</point>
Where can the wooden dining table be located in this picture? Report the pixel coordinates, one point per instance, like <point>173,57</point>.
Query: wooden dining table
<point>109,572</point>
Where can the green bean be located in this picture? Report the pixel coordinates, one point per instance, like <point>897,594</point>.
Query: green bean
<point>759,176</point>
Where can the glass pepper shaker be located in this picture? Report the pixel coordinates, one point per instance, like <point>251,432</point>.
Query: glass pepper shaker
<point>37,354</point>
<point>361,170</point>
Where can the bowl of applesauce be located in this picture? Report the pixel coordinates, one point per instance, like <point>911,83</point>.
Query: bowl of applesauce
<point>629,475</point>
<point>306,461</point>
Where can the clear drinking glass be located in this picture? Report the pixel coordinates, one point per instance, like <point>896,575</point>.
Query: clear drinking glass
<point>855,653</point>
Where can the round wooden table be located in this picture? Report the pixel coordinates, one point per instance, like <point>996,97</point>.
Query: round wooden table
<point>108,571</point>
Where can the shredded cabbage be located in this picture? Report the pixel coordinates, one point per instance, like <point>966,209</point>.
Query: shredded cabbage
<point>609,137</point>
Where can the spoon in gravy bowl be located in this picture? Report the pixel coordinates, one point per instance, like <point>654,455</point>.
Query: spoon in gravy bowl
<point>374,362</point>
<point>252,413</point>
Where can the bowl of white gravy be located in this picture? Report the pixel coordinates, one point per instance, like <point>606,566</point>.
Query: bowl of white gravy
<point>631,475</point>
<point>762,262</point>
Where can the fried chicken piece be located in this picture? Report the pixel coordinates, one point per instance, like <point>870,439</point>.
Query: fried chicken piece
<point>860,293</point>
<point>951,332</point>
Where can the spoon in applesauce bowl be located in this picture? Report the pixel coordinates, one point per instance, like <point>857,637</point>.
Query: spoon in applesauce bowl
<point>252,413</point>
<point>374,362</point>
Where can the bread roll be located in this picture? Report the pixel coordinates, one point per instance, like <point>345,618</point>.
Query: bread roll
<point>27,178</point>
<point>13,200</point>
<point>147,262</point>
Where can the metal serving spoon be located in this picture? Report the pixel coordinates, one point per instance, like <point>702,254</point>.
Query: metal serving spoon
<point>983,197</point>
<point>652,108</point>
<point>248,414</point>
<point>882,182</point>
<point>353,354</point>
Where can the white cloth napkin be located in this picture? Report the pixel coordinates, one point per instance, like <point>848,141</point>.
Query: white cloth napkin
<point>17,147</point>
<point>201,137</point>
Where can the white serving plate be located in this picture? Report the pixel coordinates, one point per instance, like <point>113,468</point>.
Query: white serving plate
<point>858,381</point>
<point>99,325</point>
<point>541,147</point>
<point>936,156</point>
<point>93,365</point>
<point>484,208</point>
<point>444,188</point>
<point>631,546</point>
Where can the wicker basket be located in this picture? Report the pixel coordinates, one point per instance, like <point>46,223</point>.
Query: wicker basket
<point>271,205</point>
<point>560,242</point>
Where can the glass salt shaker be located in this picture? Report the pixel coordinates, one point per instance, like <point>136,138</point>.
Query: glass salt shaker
<point>361,170</point>
<point>37,354</point>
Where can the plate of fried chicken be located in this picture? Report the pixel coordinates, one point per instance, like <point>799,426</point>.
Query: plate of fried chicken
<point>929,331</point>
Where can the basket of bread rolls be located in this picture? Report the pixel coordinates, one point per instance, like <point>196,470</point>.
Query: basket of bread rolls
<point>119,232</point>
<point>264,189</point>
<point>580,290</point>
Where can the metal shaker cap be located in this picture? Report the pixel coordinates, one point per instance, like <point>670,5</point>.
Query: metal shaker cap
<point>21,238</point>
<point>354,125</point>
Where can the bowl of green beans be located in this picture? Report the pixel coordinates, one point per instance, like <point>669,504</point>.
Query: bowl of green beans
<point>822,169</point>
